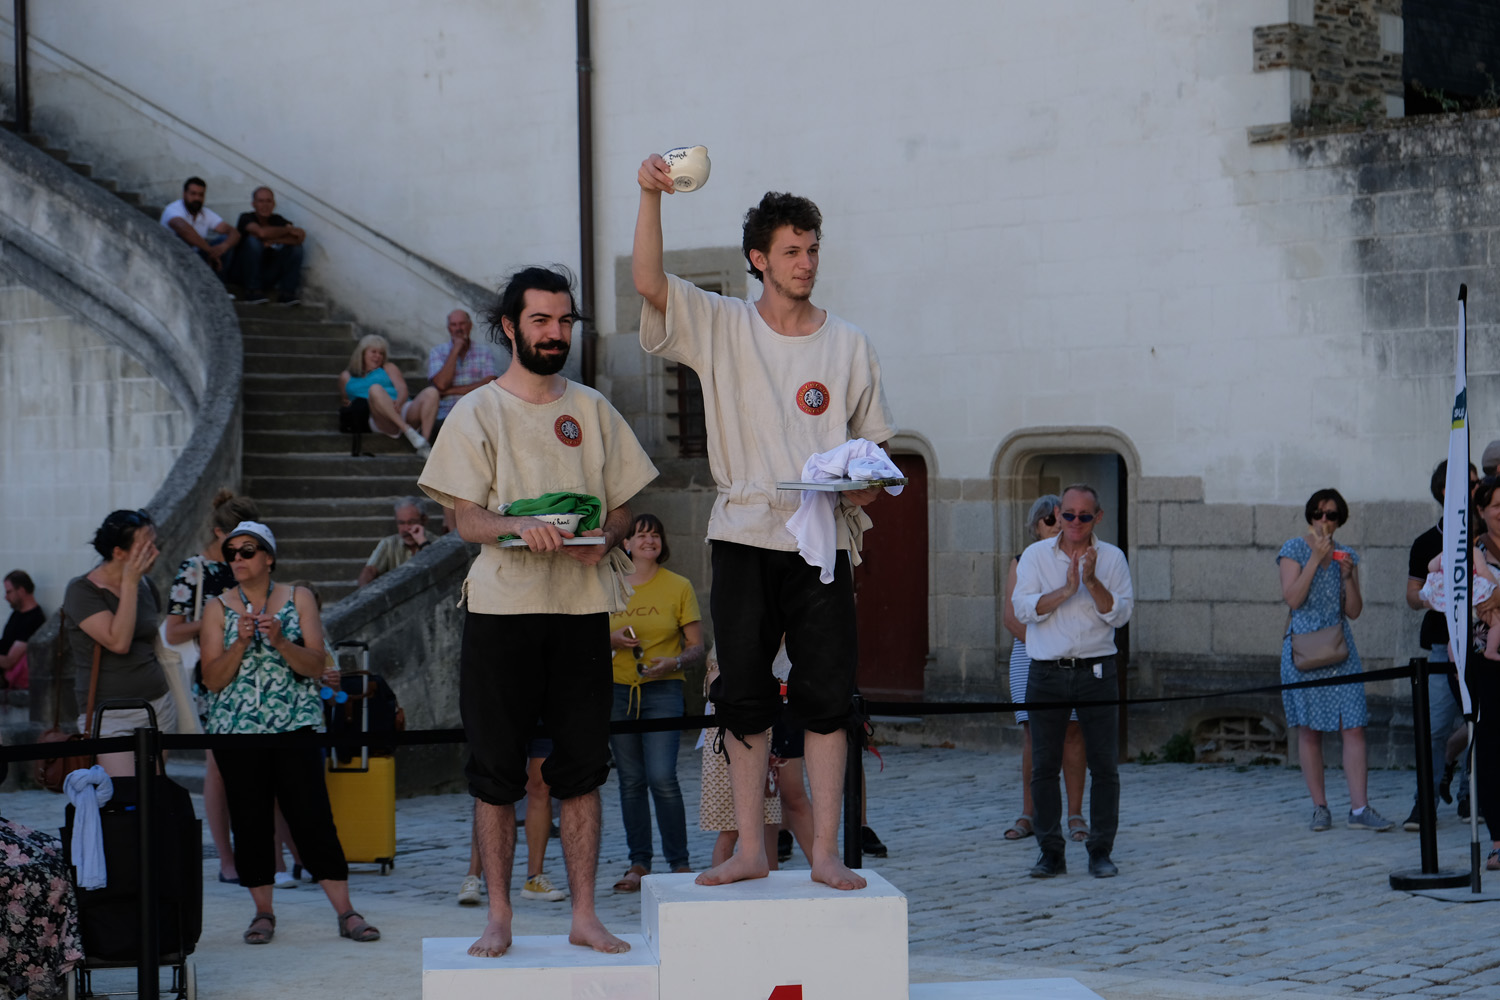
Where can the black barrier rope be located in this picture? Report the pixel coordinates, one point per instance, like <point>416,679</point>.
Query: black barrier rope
<point>433,737</point>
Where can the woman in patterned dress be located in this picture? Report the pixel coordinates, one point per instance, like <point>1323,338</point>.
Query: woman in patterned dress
<point>1320,583</point>
<point>39,940</point>
<point>200,579</point>
<point>264,673</point>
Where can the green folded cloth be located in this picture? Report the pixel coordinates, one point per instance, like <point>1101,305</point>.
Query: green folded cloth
<point>557,503</point>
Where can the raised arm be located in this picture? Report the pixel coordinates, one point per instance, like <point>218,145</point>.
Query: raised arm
<point>646,265</point>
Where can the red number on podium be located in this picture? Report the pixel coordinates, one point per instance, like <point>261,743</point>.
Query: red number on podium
<point>786,993</point>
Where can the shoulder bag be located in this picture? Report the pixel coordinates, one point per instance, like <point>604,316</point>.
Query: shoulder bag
<point>53,771</point>
<point>1322,647</point>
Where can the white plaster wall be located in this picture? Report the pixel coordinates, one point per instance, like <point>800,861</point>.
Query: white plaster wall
<point>84,430</point>
<point>1042,213</point>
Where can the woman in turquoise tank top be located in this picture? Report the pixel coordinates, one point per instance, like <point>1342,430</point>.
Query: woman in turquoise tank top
<point>372,391</point>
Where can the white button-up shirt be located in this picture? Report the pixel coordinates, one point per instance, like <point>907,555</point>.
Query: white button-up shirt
<point>1075,627</point>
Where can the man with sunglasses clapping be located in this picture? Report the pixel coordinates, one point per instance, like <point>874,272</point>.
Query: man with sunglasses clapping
<point>1072,592</point>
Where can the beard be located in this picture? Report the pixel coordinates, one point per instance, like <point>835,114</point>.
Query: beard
<point>535,362</point>
<point>791,293</point>
<point>193,207</point>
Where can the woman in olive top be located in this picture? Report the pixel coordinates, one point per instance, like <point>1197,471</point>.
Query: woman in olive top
<point>652,639</point>
<point>116,606</point>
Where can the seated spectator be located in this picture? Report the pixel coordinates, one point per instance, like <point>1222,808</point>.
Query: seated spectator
<point>374,393</point>
<point>26,616</point>
<point>410,538</point>
<point>270,253</point>
<point>202,228</point>
<point>458,367</point>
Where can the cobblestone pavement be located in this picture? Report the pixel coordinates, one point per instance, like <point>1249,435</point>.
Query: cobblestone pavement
<point>1223,892</point>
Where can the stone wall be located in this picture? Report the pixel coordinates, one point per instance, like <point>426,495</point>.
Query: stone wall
<point>1344,57</point>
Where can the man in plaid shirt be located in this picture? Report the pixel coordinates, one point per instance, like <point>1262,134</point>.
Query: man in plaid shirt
<point>459,366</point>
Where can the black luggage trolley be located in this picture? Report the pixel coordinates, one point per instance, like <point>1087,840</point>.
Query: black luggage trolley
<point>109,918</point>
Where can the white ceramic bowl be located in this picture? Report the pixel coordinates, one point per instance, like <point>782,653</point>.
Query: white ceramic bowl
<point>567,522</point>
<point>689,166</point>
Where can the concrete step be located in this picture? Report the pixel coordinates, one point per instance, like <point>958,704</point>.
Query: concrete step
<point>339,527</point>
<point>290,568</point>
<point>319,379</point>
<point>113,187</point>
<point>277,509</point>
<point>292,327</point>
<point>328,487</point>
<point>317,434</point>
<point>334,466</point>
<point>315,394</point>
<point>129,197</point>
<point>338,348</point>
<point>330,591</point>
<point>307,312</point>
<point>332,548</point>
<point>257,363</point>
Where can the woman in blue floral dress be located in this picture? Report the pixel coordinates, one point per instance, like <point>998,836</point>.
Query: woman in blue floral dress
<point>264,672</point>
<point>1320,583</point>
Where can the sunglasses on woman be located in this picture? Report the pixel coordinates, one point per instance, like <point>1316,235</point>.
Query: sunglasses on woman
<point>245,552</point>
<point>1085,518</point>
<point>1325,515</point>
<point>1050,520</point>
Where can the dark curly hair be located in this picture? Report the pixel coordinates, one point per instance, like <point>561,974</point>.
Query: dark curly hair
<point>775,210</point>
<point>1322,496</point>
<point>118,531</point>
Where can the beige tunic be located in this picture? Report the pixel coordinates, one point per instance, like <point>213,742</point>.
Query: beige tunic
<point>497,448</point>
<point>770,402</point>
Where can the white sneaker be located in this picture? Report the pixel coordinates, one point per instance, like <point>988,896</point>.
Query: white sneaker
<point>541,887</point>
<point>284,880</point>
<point>417,441</point>
<point>468,893</point>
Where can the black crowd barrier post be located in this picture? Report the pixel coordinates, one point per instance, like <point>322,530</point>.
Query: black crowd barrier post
<point>147,970</point>
<point>1429,877</point>
<point>854,788</point>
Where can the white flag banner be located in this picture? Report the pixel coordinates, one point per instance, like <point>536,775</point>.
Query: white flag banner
<point>1457,549</point>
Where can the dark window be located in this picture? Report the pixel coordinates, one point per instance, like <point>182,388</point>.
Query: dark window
<point>1452,55</point>
<point>685,399</point>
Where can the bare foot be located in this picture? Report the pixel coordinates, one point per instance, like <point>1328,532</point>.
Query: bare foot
<point>588,932</point>
<point>736,868</point>
<point>832,873</point>
<point>494,942</point>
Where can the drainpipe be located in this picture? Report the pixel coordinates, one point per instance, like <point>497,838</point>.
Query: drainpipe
<point>590,344</point>
<point>23,74</point>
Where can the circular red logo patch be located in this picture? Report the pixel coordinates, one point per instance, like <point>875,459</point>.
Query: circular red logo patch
<point>568,431</point>
<point>812,398</point>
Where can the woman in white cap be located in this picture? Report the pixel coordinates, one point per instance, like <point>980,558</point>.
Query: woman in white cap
<point>265,674</point>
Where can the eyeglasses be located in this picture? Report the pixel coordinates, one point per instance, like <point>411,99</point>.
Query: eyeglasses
<point>1050,520</point>
<point>246,552</point>
<point>1325,515</point>
<point>1085,518</point>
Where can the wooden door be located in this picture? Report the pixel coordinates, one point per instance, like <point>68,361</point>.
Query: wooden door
<point>891,591</point>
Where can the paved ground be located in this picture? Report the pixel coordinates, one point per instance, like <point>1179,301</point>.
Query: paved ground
<point>1223,892</point>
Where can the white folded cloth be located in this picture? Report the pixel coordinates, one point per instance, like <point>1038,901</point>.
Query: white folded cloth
<point>88,789</point>
<point>813,525</point>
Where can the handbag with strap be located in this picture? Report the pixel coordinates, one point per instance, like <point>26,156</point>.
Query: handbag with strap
<point>1321,647</point>
<point>53,771</point>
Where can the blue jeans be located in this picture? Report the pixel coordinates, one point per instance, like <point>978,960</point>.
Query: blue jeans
<point>263,267</point>
<point>649,761</point>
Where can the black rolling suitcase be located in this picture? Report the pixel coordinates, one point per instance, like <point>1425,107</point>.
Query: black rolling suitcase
<point>109,918</point>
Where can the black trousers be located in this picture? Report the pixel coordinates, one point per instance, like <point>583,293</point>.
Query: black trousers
<point>518,670</point>
<point>759,595</point>
<point>254,782</point>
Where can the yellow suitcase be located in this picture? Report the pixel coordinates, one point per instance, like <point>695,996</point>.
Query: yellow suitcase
<point>364,810</point>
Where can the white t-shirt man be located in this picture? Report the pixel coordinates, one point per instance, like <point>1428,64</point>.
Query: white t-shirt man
<point>769,401</point>
<point>205,222</point>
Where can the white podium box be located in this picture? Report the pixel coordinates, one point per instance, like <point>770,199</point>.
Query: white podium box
<point>741,941</point>
<point>537,968</point>
<point>1005,989</point>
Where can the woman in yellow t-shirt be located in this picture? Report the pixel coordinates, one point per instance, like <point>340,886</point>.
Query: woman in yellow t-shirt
<point>653,640</point>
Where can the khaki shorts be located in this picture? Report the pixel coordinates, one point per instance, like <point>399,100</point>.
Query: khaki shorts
<point>125,721</point>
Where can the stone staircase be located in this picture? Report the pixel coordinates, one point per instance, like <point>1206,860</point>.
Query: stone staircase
<point>327,507</point>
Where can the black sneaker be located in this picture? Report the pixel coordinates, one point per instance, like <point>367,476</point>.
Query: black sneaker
<point>1412,823</point>
<point>784,846</point>
<point>255,297</point>
<point>870,844</point>
<point>1463,807</point>
<point>1445,786</point>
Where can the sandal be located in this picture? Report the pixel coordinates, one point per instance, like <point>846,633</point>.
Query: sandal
<point>364,932</point>
<point>631,880</point>
<point>1078,829</point>
<point>1021,829</point>
<point>254,936</point>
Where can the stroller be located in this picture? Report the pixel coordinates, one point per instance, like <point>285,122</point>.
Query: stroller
<point>109,918</point>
